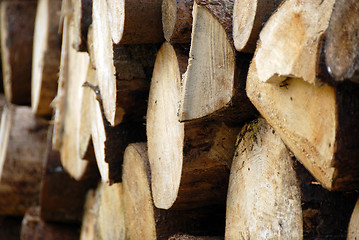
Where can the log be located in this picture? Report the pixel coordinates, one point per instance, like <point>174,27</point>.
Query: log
<point>291,41</point>
<point>62,197</point>
<point>21,133</point>
<point>177,20</point>
<point>263,200</point>
<point>134,22</point>
<point>110,221</point>
<point>82,22</point>
<point>342,42</point>
<point>10,227</point>
<point>189,237</point>
<point>190,162</point>
<point>353,229</point>
<point>89,217</point>
<point>143,219</point>
<point>215,87</point>
<point>46,56</point>
<point>321,136</point>
<point>17,27</point>
<point>34,228</point>
<point>249,18</point>
<point>123,71</point>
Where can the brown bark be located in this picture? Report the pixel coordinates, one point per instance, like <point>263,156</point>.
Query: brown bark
<point>321,136</point>
<point>34,228</point>
<point>144,220</point>
<point>17,27</point>
<point>342,42</point>
<point>177,20</point>
<point>82,21</point>
<point>134,22</point>
<point>46,56</point>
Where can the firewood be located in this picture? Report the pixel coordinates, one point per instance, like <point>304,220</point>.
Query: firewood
<point>263,200</point>
<point>189,237</point>
<point>177,20</point>
<point>214,82</point>
<point>189,161</point>
<point>318,124</point>
<point>89,217</point>
<point>46,56</point>
<point>248,19</point>
<point>123,71</point>
<point>21,133</point>
<point>17,27</point>
<point>353,229</point>
<point>291,40</point>
<point>342,42</point>
<point>143,220</point>
<point>34,228</point>
<point>134,22</point>
<point>82,21</point>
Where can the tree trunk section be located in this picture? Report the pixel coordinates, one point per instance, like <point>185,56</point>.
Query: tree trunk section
<point>177,20</point>
<point>143,219</point>
<point>342,41</point>
<point>263,200</point>
<point>215,87</point>
<point>21,133</point>
<point>321,136</point>
<point>291,40</point>
<point>17,27</point>
<point>46,56</point>
<point>89,217</point>
<point>82,21</point>
<point>249,16</point>
<point>134,22</point>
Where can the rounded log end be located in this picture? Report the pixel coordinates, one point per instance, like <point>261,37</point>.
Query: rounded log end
<point>164,132</point>
<point>169,18</point>
<point>116,16</point>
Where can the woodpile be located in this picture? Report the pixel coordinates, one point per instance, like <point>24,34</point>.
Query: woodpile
<point>179,119</point>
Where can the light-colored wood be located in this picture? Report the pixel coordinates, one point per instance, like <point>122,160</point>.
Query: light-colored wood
<point>249,16</point>
<point>177,20</point>
<point>291,39</point>
<point>21,133</point>
<point>17,27</point>
<point>89,217</point>
<point>110,220</point>
<point>46,56</point>
<point>134,22</point>
<point>342,42</point>
<point>189,161</point>
<point>35,228</point>
<point>263,200</point>
<point>82,19</point>
<point>318,124</point>
<point>214,82</point>
<point>353,229</point>
<point>189,237</point>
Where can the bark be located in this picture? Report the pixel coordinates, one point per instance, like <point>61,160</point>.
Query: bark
<point>177,20</point>
<point>263,200</point>
<point>82,22</point>
<point>134,22</point>
<point>46,56</point>
<point>17,27</point>
<point>342,42</point>
<point>248,19</point>
<point>291,41</point>
<point>321,136</point>
<point>214,88</point>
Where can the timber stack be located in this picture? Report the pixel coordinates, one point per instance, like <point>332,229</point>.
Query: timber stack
<point>179,119</point>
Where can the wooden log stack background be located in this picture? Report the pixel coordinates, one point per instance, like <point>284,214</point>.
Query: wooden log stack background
<point>179,119</point>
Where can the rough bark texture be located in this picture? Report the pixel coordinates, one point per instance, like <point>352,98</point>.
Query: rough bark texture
<point>342,41</point>
<point>135,22</point>
<point>34,228</point>
<point>143,220</point>
<point>215,87</point>
<point>22,150</point>
<point>263,200</point>
<point>46,56</point>
<point>82,21</point>
<point>249,16</point>
<point>321,136</point>
<point>177,20</point>
<point>17,27</point>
